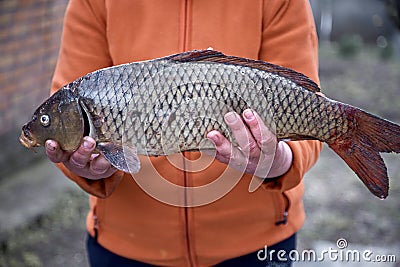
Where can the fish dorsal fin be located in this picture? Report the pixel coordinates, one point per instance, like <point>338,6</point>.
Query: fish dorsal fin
<point>218,57</point>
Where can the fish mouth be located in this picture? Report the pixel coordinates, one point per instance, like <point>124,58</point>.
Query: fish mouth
<point>26,139</point>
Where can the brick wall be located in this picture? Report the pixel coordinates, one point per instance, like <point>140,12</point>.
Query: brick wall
<point>30,32</point>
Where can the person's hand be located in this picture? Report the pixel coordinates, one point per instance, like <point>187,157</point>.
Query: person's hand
<point>83,162</point>
<point>258,150</point>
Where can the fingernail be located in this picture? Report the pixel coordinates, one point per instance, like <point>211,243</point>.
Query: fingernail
<point>214,138</point>
<point>50,145</point>
<point>230,117</point>
<point>87,144</point>
<point>248,114</point>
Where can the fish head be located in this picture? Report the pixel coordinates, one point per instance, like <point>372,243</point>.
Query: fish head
<point>59,118</point>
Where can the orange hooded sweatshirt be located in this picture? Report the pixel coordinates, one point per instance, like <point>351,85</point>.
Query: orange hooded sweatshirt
<point>130,222</point>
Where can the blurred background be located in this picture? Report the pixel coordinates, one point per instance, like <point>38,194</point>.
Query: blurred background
<point>42,214</point>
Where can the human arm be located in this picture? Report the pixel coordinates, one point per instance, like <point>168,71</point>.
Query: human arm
<point>83,49</point>
<point>289,39</point>
<point>83,162</point>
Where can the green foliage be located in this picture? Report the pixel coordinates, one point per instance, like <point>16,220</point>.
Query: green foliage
<point>350,45</point>
<point>386,52</point>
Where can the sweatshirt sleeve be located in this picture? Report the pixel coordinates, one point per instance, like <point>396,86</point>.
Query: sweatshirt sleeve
<point>84,49</point>
<point>289,39</point>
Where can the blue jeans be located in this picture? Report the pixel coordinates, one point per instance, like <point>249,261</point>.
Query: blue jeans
<point>101,257</point>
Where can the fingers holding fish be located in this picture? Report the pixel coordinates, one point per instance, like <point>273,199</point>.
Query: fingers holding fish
<point>265,139</point>
<point>100,166</point>
<point>55,153</point>
<point>264,160</point>
<point>246,156</point>
<point>275,157</point>
<point>81,157</point>
<point>228,154</point>
<point>81,162</point>
<point>258,151</point>
<point>222,145</point>
<point>241,132</point>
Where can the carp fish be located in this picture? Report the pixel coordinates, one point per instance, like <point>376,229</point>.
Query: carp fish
<point>168,105</point>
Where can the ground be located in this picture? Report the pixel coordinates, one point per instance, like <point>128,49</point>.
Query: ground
<point>337,203</point>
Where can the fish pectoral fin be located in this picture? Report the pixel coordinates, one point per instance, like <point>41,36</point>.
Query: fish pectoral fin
<point>123,158</point>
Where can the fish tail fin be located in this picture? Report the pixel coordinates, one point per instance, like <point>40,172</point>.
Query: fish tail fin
<point>361,150</point>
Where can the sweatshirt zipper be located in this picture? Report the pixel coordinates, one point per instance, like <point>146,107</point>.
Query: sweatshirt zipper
<point>95,223</point>
<point>283,209</point>
<point>189,251</point>
<point>184,46</point>
<point>185,25</point>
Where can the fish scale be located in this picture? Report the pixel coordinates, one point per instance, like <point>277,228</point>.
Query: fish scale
<point>167,105</point>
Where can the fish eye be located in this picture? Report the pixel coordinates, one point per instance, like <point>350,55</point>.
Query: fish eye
<point>45,120</point>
